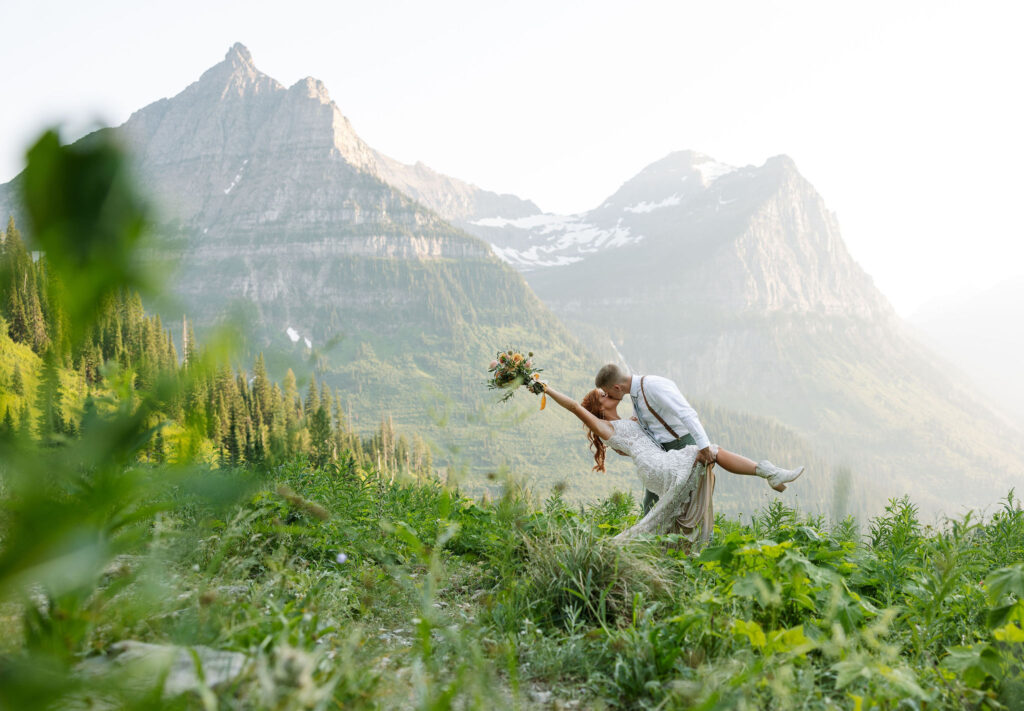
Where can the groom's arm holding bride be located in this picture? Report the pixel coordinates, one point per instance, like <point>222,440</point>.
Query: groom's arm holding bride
<point>666,397</point>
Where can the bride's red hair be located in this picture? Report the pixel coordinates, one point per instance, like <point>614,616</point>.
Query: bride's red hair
<point>591,402</point>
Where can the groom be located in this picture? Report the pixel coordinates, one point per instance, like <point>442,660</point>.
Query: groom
<point>663,412</point>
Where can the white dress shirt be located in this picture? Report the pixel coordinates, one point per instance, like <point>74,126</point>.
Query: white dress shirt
<point>665,398</point>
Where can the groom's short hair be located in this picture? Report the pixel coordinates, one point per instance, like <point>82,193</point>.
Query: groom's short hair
<point>609,375</point>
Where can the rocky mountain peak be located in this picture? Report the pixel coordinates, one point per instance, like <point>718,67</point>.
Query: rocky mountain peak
<point>782,168</point>
<point>679,159</point>
<point>666,182</point>
<point>689,163</point>
<point>312,88</point>
<point>239,55</point>
<point>235,75</point>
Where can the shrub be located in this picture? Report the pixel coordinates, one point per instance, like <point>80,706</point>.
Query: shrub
<point>574,572</point>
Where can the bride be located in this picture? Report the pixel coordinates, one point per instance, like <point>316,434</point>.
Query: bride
<point>684,485</point>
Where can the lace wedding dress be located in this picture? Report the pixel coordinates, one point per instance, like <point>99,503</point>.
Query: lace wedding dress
<point>685,490</point>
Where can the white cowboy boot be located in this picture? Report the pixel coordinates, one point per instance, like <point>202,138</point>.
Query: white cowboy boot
<point>777,476</point>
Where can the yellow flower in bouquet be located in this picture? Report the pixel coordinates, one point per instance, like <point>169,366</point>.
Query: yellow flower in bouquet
<point>511,369</point>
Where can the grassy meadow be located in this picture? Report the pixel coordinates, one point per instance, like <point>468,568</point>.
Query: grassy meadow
<point>340,588</point>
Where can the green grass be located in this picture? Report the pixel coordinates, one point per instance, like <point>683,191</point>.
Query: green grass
<point>448,602</point>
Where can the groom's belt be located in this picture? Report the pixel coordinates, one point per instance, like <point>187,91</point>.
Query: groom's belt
<point>685,440</point>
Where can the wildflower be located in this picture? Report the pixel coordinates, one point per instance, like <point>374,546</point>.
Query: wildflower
<point>517,358</point>
<point>341,558</point>
<point>536,376</point>
<point>493,365</point>
<point>529,364</point>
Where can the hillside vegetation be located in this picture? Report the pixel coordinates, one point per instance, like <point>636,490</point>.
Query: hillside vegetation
<point>340,588</point>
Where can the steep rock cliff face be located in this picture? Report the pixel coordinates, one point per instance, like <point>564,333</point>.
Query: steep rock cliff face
<point>281,208</point>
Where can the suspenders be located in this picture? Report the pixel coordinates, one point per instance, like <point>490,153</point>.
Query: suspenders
<point>654,412</point>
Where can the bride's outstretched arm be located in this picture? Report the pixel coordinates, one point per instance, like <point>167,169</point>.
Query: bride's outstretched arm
<point>599,427</point>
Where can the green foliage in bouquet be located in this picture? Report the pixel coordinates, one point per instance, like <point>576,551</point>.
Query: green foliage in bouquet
<point>510,369</point>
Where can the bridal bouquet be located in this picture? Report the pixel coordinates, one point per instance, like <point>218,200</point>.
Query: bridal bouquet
<point>510,369</point>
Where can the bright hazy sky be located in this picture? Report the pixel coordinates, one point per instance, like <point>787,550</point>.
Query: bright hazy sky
<point>906,116</point>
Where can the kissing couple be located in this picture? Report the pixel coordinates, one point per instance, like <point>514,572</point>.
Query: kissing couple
<point>673,456</point>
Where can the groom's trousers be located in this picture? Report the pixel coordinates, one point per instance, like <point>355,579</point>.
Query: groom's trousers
<point>650,498</point>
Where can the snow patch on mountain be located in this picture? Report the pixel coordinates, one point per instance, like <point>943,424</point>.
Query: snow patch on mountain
<point>652,206</point>
<point>542,222</point>
<point>532,258</point>
<point>238,177</point>
<point>556,240</point>
<point>294,337</point>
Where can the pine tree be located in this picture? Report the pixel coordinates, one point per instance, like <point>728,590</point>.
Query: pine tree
<point>35,321</point>
<point>291,395</point>
<point>325,397</point>
<point>54,320</point>
<point>118,351</point>
<point>258,440</point>
<point>277,439</point>
<point>159,452</point>
<point>261,391</point>
<point>17,326</point>
<point>25,423</point>
<point>48,400</point>
<point>171,355</point>
<point>312,398</point>
<point>156,343</point>
<point>320,437</point>
<point>7,429</point>
<point>339,413</point>
<point>17,381</point>
<point>232,441</point>
<point>188,342</point>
